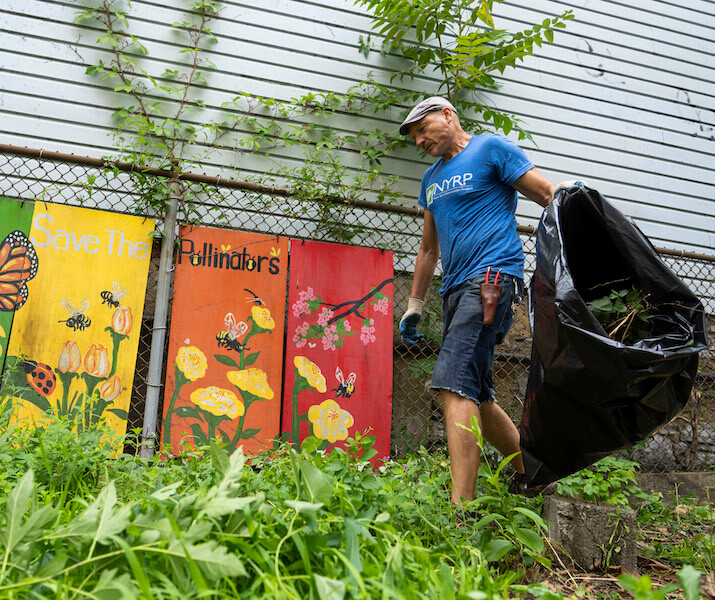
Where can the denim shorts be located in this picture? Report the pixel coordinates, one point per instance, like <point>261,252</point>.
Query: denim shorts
<point>465,360</point>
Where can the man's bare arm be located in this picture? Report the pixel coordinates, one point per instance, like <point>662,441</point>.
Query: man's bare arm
<point>535,186</point>
<point>427,257</point>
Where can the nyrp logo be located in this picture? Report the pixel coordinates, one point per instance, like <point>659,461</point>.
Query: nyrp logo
<point>430,194</point>
<point>448,186</point>
<point>226,257</point>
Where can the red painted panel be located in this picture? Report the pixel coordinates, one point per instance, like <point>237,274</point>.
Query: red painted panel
<point>338,374</point>
<point>224,374</point>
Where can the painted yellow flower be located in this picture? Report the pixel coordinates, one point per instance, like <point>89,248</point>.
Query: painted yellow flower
<point>311,372</point>
<point>218,401</point>
<point>110,389</point>
<point>251,380</point>
<point>70,358</point>
<point>192,362</point>
<point>96,361</point>
<point>262,317</point>
<point>330,422</point>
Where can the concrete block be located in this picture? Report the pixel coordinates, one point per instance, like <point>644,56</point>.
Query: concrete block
<point>594,536</point>
<point>701,484</point>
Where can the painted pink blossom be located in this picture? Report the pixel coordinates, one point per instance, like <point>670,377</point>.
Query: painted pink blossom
<point>367,332</point>
<point>301,334</point>
<point>346,325</point>
<point>325,315</point>
<point>300,307</point>
<point>307,295</point>
<point>382,305</point>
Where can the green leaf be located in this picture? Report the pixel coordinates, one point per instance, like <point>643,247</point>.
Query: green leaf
<point>226,360</point>
<point>532,515</point>
<point>319,486</point>
<point>248,433</point>
<point>307,509</point>
<point>549,35</point>
<point>214,560</point>
<point>16,505</point>
<point>689,579</point>
<point>200,437</point>
<point>121,413</point>
<point>531,539</point>
<point>497,549</point>
<point>250,359</point>
<point>186,412</point>
<point>351,532</point>
<point>329,589</point>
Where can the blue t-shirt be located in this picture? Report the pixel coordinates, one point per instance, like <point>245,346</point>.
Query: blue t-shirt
<point>473,205</point>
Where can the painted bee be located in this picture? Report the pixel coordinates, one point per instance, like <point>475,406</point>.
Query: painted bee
<point>78,320</point>
<point>346,388</point>
<point>114,296</point>
<point>228,339</point>
<point>254,298</point>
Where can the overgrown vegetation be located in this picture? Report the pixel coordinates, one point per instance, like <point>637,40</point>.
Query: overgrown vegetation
<point>76,523</point>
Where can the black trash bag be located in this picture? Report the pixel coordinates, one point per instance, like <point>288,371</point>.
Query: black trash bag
<point>587,395</point>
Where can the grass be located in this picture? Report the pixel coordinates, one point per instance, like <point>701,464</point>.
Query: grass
<point>79,524</point>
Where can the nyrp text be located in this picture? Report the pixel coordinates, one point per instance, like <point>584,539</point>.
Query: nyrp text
<point>216,258</point>
<point>113,242</point>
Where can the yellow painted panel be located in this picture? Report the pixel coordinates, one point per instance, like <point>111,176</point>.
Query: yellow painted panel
<point>77,335</point>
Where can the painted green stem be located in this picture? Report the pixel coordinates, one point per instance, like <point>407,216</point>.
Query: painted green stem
<point>66,379</point>
<point>179,381</point>
<point>117,339</point>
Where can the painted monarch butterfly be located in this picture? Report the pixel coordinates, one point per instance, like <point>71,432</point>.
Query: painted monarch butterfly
<point>18,264</point>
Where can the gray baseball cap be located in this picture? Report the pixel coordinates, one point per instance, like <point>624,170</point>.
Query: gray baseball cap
<point>426,106</point>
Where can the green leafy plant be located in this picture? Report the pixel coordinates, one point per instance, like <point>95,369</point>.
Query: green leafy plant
<point>459,44</point>
<point>624,314</point>
<point>163,122</point>
<point>642,587</point>
<point>611,481</point>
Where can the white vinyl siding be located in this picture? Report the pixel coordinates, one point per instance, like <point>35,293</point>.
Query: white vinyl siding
<point>623,98</point>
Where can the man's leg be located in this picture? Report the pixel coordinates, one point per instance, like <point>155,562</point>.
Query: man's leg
<point>499,430</point>
<point>464,452</point>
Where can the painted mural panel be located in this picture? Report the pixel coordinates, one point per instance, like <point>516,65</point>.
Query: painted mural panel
<point>224,377</point>
<point>73,346</point>
<point>339,344</point>
<point>18,263</point>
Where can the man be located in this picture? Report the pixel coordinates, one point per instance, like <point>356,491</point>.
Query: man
<point>470,196</point>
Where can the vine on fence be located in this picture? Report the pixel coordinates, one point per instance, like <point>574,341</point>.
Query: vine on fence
<point>443,46</point>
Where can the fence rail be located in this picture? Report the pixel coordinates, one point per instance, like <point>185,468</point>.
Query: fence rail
<point>37,175</point>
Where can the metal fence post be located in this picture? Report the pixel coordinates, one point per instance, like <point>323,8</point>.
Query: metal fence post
<point>161,313</point>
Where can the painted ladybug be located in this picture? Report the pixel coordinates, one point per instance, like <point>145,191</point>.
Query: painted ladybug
<point>40,377</point>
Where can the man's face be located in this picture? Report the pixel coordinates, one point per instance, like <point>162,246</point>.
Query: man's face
<point>433,133</point>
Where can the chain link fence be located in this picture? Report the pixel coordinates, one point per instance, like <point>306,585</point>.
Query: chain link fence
<point>687,443</point>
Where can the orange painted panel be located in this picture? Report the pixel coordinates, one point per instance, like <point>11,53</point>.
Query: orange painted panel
<point>338,373</point>
<point>224,373</point>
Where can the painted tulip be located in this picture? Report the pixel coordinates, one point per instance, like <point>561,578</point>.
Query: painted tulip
<point>70,358</point>
<point>122,320</point>
<point>96,361</point>
<point>110,389</point>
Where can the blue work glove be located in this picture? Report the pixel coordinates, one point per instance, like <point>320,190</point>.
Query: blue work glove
<point>567,185</point>
<point>408,323</point>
